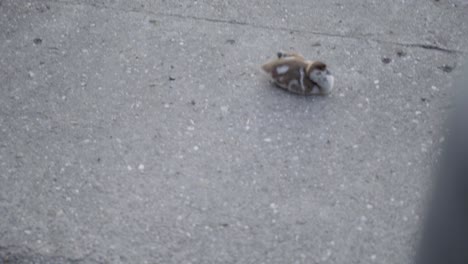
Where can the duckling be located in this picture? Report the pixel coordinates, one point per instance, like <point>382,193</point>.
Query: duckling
<point>291,72</point>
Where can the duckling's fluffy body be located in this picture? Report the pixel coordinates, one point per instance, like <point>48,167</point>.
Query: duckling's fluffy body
<point>290,71</point>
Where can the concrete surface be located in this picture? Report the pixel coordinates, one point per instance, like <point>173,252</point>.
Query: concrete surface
<point>144,131</point>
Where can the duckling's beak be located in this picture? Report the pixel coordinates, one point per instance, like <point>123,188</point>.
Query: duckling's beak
<point>328,72</point>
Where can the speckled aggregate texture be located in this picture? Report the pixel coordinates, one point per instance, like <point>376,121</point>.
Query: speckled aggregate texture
<point>145,132</point>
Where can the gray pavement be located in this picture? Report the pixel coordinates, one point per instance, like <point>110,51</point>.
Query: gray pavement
<point>145,132</point>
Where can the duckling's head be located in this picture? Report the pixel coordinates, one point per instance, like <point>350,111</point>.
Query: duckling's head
<point>317,71</point>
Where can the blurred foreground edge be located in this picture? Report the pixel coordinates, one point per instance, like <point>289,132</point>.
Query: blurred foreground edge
<point>445,233</point>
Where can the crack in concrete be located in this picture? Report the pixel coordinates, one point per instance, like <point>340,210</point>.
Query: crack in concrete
<point>433,47</point>
<point>240,23</point>
<point>23,254</point>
